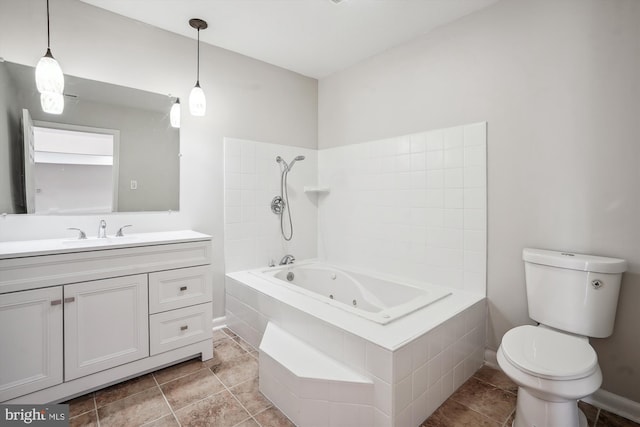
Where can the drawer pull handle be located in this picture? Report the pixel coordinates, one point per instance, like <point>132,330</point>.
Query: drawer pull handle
<point>70,299</point>
<point>183,288</point>
<point>184,328</point>
<point>56,302</point>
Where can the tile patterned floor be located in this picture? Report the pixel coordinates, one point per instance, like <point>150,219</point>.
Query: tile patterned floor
<point>488,399</point>
<point>223,392</point>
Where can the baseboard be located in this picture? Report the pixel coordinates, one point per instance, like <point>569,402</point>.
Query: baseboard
<point>219,322</point>
<point>617,404</point>
<point>601,398</point>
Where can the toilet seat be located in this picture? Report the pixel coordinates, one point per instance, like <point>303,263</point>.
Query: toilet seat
<point>549,354</point>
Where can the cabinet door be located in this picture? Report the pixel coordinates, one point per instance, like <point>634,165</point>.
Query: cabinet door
<point>30,341</point>
<point>105,324</point>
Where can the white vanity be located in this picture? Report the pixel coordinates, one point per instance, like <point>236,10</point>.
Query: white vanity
<point>77,315</point>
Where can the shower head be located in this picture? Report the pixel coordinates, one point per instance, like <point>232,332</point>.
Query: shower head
<point>298,158</point>
<point>287,167</point>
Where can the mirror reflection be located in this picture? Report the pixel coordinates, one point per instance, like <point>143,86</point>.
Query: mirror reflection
<point>111,150</point>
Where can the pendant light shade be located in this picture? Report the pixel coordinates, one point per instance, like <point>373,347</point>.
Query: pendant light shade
<point>197,100</point>
<point>174,114</point>
<point>49,77</point>
<point>52,103</point>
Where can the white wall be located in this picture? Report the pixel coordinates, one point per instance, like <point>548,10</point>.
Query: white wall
<point>557,82</point>
<point>414,206</point>
<point>246,98</point>
<point>252,235</point>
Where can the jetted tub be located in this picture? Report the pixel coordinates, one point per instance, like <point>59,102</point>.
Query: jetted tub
<point>334,337</point>
<point>373,298</point>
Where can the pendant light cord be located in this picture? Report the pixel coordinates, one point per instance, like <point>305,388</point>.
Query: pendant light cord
<point>48,35</point>
<point>198,72</point>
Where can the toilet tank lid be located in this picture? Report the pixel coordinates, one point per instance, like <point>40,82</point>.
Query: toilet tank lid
<point>574,261</point>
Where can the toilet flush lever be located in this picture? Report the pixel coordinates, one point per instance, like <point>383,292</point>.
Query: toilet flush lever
<point>597,284</point>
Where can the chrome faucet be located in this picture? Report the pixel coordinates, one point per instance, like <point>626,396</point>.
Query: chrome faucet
<point>102,229</point>
<point>287,259</point>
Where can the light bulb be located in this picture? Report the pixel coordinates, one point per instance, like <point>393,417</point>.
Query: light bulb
<point>52,103</point>
<point>197,101</point>
<point>174,114</point>
<point>49,77</point>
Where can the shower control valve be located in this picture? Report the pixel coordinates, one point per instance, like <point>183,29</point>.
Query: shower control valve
<point>277,205</point>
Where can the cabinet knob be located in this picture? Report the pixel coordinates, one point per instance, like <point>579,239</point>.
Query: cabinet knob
<point>183,288</point>
<point>184,328</point>
<point>70,299</point>
<point>56,302</point>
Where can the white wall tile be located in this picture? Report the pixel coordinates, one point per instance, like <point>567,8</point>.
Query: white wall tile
<point>434,160</point>
<point>454,178</point>
<point>380,419</point>
<point>418,142</point>
<point>402,394</point>
<point>385,194</point>
<point>453,137</point>
<point>379,362</point>
<point>313,412</point>
<point>252,178</point>
<point>454,157</point>
<point>402,363</point>
<point>381,395</point>
<point>420,381</point>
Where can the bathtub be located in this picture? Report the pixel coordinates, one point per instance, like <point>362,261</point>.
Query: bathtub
<point>376,299</point>
<point>325,361</point>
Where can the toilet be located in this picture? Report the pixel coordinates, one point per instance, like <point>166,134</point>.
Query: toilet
<point>572,297</point>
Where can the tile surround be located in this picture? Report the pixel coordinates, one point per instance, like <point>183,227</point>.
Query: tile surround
<point>409,383</point>
<point>412,206</point>
<point>251,180</point>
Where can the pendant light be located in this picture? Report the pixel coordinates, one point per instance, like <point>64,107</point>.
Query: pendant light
<point>52,103</point>
<point>49,79</point>
<point>197,100</point>
<point>174,114</point>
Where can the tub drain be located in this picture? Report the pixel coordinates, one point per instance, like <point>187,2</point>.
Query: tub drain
<point>331,296</point>
<point>355,303</point>
<point>290,276</point>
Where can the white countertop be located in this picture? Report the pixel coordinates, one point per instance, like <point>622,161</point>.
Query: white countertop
<point>28,248</point>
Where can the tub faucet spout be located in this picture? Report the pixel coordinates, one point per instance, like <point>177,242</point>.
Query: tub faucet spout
<point>287,259</point>
<point>102,229</point>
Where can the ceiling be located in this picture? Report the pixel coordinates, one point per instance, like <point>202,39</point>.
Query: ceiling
<point>311,37</point>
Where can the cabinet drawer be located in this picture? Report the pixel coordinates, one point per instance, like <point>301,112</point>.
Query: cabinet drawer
<point>176,328</point>
<point>173,289</point>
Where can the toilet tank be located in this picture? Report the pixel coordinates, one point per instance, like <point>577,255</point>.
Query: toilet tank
<point>573,292</point>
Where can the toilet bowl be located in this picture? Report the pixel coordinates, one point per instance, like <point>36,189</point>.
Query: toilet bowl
<point>552,370</point>
<point>572,297</point>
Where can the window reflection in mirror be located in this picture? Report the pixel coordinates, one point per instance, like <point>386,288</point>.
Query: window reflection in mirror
<point>75,170</point>
<point>144,166</point>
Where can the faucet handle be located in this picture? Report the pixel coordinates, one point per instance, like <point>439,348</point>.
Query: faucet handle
<point>81,235</point>
<point>119,233</point>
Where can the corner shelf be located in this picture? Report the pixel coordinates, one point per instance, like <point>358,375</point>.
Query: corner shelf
<point>317,189</point>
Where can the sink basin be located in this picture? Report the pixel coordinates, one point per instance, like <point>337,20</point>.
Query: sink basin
<point>94,241</point>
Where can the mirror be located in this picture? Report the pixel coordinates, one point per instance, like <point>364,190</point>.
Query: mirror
<point>111,150</point>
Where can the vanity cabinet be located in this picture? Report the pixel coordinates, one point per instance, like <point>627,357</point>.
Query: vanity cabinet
<point>30,341</point>
<point>72,322</point>
<point>105,324</point>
